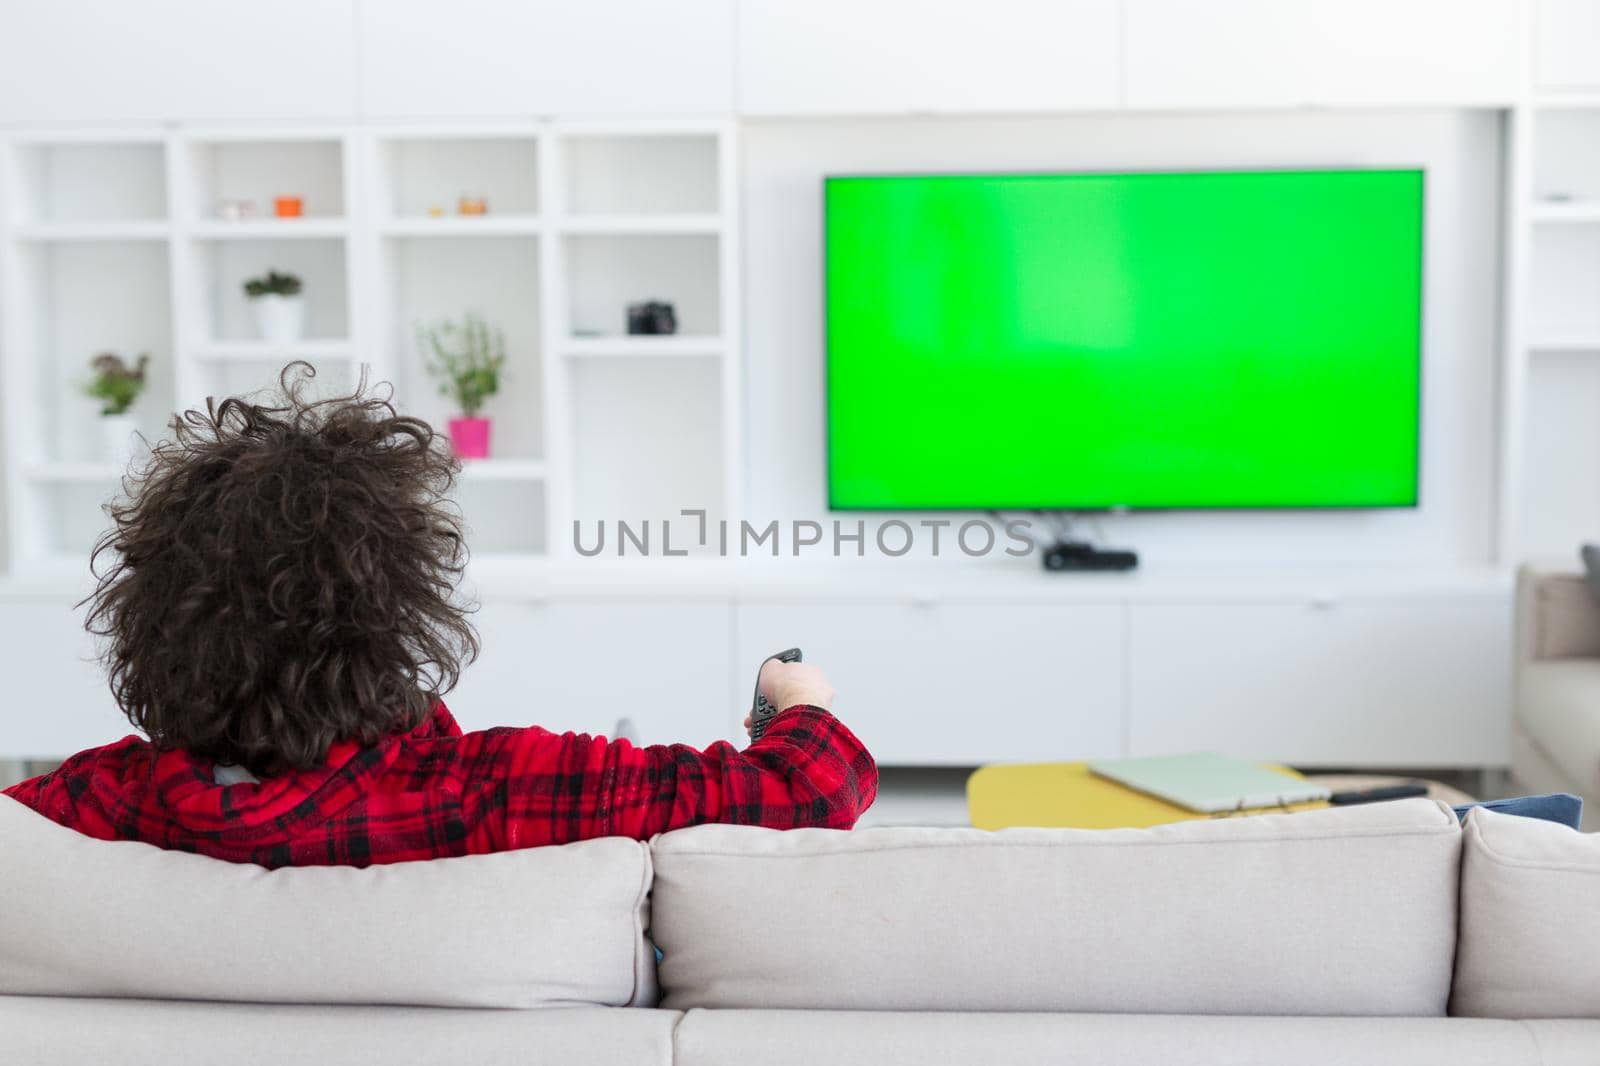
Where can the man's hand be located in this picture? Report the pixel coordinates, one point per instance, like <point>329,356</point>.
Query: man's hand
<point>788,685</point>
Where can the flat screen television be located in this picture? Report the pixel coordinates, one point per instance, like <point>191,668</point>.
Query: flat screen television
<point>1220,339</point>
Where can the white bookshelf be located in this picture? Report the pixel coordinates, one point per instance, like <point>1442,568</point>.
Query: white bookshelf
<point>120,240</point>
<point>1550,500</point>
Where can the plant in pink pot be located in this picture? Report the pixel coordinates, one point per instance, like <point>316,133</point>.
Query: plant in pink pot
<point>468,358</point>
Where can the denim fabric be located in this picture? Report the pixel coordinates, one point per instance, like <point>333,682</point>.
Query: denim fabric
<point>1556,807</point>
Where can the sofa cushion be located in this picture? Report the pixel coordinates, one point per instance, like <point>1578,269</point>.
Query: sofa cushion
<point>57,1031</point>
<point>1530,925</point>
<point>1339,911</point>
<point>865,1038</point>
<point>84,917</point>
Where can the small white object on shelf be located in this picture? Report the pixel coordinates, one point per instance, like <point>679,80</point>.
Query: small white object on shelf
<point>118,438</point>
<point>279,319</point>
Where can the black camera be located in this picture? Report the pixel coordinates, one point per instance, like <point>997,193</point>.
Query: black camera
<point>653,317</point>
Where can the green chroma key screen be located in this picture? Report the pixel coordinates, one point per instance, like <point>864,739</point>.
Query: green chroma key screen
<point>1184,340</point>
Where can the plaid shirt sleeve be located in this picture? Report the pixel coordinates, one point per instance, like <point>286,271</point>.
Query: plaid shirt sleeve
<point>808,770</point>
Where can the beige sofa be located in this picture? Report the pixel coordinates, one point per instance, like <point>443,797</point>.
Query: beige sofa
<point>1556,723</point>
<point>1380,934</point>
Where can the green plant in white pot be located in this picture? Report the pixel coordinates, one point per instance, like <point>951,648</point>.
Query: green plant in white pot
<point>117,386</point>
<point>279,307</point>
<point>469,358</point>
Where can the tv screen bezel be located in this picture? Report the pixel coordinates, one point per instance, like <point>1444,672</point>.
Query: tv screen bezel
<point>1415,502</point>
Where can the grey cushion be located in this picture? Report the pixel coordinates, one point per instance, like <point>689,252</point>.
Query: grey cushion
<point>789,1038</point>
<point>1558,705</point>
<point>1530,920</point>
<point>546,926</point>
<point>1340,911</point>
<point>47,1031</point>
<point>1563,616</point>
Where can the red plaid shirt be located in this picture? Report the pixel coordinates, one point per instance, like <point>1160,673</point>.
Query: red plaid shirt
<point>437,792</point>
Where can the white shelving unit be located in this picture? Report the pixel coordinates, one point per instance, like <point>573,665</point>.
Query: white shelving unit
<point>85,267</point>
<point>1550,499</point>
<point>118,240</point>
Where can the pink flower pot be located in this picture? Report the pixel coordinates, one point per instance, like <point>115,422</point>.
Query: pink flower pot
<point>469,438</point>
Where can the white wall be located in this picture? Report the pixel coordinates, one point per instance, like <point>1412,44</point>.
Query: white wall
<point>785,161</point>
<point>227,60</point>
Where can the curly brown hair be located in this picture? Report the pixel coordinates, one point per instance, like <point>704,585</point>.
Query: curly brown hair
<point>283,576</point>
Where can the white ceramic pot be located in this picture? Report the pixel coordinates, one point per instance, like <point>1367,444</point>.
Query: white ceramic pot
<point>118,438</point>
<point>279,319</point>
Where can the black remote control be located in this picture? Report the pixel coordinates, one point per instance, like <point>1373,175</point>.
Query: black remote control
<point>761,712</point>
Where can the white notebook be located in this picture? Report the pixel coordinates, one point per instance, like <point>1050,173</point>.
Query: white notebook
<point>1208,783</point>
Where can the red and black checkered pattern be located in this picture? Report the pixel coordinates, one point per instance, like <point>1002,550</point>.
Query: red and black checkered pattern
<point>437,792</point>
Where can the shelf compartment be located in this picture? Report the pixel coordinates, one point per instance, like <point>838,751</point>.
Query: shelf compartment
<point>647,439</point>
<point>261,170</point>
<point>120,182</point>
<point>1566,157</point>
<point>81,299</point>
<point>223,266</point>
<point>641,174</point>
<point>1561,496</point>
<point>71,517</point>
<point>419,173</point>
<point>607,273</point>
<point>1564,281</point>
<point>636,346</point>
<point>429,279</point>
<point>504,518</point>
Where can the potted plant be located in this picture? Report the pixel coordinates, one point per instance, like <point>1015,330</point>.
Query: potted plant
<point>116,385</point>
<point>468,357</point>
<point>279,308</point>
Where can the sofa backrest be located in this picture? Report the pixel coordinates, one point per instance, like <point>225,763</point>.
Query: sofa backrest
<point>546,926</point>
<point>1342,911</point>
<point>1530,920</point>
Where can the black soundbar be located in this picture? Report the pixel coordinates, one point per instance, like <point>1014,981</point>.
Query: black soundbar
<point>1081,555</point>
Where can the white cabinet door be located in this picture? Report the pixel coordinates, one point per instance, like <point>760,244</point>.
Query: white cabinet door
<point>582,665</point>
<point>1288,53</point>
<point>56,698</point>
<point>886,56</point>
<point>1567,44</point>
<point>1347,684</point>
<point>166,60</point>
<point>473,58</point>
<point>958,683</point>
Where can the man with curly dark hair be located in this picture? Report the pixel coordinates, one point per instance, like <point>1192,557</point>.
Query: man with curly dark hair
<point>279,613</point>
